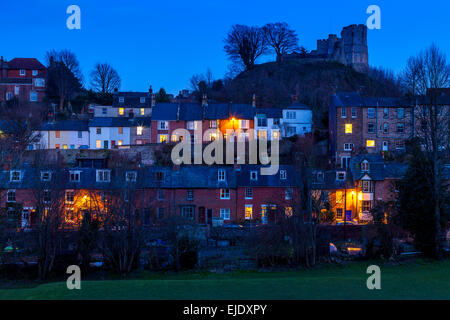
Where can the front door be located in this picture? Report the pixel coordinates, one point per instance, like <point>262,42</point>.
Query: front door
<point>201,215</point>
<point>209,216</point>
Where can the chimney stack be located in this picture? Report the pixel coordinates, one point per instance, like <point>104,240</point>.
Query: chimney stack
<point>204,100</point>
<point>152,97</point>
<point>254,101</point>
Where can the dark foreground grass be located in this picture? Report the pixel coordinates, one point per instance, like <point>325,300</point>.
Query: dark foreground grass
<point>414,280</point>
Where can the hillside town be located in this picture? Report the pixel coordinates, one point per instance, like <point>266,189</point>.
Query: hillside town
<point>339,170</point>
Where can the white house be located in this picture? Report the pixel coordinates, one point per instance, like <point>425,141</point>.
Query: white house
<point>126,104</point>
<point>107,133</point>
<point>267,123</point>
<point>67,134</point>
<point>296,120</point>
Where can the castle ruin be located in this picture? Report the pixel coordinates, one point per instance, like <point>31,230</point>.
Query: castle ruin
<point>350,49</point>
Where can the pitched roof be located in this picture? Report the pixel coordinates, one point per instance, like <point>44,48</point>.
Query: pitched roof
<point>25,63</point>
<point>353,99</point>
<point>243,174</point>
<point>269,112</point>
<point>119,122</point>
<point>298,106</point>
<point>214,111</point>
<point>132,99</point>
<point>66,125</point>
<point>165,111</point>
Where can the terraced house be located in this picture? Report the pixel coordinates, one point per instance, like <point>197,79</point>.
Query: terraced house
<point>202,194</point>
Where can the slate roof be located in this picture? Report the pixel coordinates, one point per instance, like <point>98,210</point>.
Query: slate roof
<point>25,63</point>
<point>66,125</point>
<point>353,99</point>
<point>119,122</point>
<point>186,177</point>
<point>329,181</point>
<point>10,126</point>
<point>378,169</point>
<point>214,111</point>
<point>269,112</point>
<point>292,177</point>
<point>165,111</point>
<point>132,99</point>
<point>298,106</point>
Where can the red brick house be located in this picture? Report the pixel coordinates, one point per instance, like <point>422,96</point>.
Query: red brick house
<point>22,78</point>
<point>203,194</point>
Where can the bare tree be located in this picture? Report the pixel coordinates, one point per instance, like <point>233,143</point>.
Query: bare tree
<point>427,73</point>
<point>246,44</point>
<point>68,58</point>
<point>281,38</point>
<point>104,78</point>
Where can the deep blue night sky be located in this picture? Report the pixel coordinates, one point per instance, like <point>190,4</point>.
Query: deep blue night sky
<point>164,42</point>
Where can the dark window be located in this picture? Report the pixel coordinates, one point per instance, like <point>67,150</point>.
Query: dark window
<point>371,128</point>
<point>190,195</point>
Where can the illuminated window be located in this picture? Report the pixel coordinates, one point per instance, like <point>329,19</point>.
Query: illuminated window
<point>225,213</point>
<point>139,130</point>
<point>120,130</point>
<point>275,134</point>
<point>225,194</point>
<point>244,124</point>
<point>119,142</point>
<point>366,206</point>
<point>370,143</point>
<point>57,146</point>
<point>288,211</point>
<point>162,138</point>
<point>213,124</point>
<point>248,211</point>
<point>98,144</point>
<point>174,138</point>
<point>348,128</point>
<point>262,134</point>
<point>57,134</point>
<point>213,136</point>
<point>339,197</point>
<point>121,111</point>
<point>339,213</point>
<point>142,111</point>
<point>366,186</point>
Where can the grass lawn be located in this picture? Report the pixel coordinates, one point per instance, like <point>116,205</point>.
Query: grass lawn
<point>414,280</point>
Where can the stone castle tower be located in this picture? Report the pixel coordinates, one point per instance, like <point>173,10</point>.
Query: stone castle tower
<point>350,49</point>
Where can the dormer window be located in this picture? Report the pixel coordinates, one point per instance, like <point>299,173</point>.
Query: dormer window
<point>74,176</point>
<point>15,176</point>
<point>142,99</point>
<point>253,175</point>
<point>121,99</point>
<point>283,174</point>
<point>365,166</point>
<point>131,176</point>
<point>221,175</point>
<point>46,175</point>
<point>340,176</point>
<point>103,175</point>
